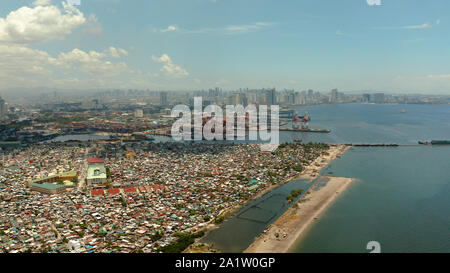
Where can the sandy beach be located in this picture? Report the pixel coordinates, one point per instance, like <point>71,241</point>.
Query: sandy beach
<point>286,231</point>
<point>312,171</point>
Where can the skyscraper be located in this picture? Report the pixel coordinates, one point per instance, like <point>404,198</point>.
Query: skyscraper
<point>163,99</point>
<point>333,96</point>
<point>377,98</point>
<point>271,98</point>
<point>3,110</point>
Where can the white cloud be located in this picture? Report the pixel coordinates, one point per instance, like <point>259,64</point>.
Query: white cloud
<point>41,2</point>
<point>422,26</point>
<point>238,29</point>
<point>233,29</point>
<point>170,28</point>
<point>39,24</point>
<point>93,26</point>
<point>18,63</point>
<point>23,66</point>
<point>92,63</point>
<point>169,68</point>
<point>117,52</point>
<point>439,77</point>
<point>373,2</point>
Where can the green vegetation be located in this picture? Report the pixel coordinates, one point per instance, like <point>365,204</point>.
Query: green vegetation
<point>102,233</point>
<point>294,194</point>
<point>123,201</point>
<point>156,236</point>
<point>219,220</point>
<point>205,174</point>
<point>179,206</point>
<point>239,177</point>
<point>60,120</point>
<point>184,240</point>
<point>192,212</point>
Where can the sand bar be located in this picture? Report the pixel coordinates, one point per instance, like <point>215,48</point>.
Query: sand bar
<point>287,230</point>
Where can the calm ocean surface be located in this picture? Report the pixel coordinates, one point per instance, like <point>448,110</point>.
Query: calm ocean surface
<point>401,199</point>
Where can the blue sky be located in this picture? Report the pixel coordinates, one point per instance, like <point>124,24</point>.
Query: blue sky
<point>398,46</point>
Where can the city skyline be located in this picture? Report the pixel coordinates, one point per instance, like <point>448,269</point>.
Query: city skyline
<point>394,47</point>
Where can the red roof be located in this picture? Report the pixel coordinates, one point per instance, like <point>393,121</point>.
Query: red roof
<point>97,192</point>
<point>130,189</point>
<point>113,191</point>
<point>96,160</point>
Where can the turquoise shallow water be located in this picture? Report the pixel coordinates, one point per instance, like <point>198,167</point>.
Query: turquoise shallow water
<point>402,197</point>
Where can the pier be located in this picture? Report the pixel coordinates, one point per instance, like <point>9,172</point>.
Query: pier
<point>306,130</point>
<point>373,145</point>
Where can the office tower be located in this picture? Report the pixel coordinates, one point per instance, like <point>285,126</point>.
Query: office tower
<point>271,98</point>
<point>3,110</point>
<point>377,98</point>
<point>299,99</point>
<point>163,99</point>
<point>366,98</point>
<point>333,96</point>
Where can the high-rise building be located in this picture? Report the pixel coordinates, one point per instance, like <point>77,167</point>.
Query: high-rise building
<point>163,99</point>
<point>333,96</point>
<point>139,113</point>
<point>271,98</point>
<point>300,99</point>
<point>366,97</point>
<point>3,110</point>
<point>377,98</point>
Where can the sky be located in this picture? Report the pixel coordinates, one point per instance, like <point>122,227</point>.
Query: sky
<point>353,45</point>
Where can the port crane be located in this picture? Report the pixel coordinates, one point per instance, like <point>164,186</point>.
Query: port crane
<point>300,122</point>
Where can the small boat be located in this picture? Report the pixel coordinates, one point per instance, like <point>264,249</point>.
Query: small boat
<point>403,111</point>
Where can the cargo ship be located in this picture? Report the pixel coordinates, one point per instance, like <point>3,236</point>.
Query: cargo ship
<point>435,142</point>
<point>440,142</point>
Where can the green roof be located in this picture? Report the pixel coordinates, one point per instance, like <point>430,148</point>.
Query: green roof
<point>96,171</point>
<point>47,186</point>
<point>68,174</point>
<point>62,176</point>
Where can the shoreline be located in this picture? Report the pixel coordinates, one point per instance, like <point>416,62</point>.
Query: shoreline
<point>282,235</point>
<point>310,172</point>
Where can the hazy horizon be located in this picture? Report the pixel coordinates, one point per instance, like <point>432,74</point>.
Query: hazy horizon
<point>397,47</point>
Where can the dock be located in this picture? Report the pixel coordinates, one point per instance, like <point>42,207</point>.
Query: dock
<point>373,145</point>
<point>326,131</point>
